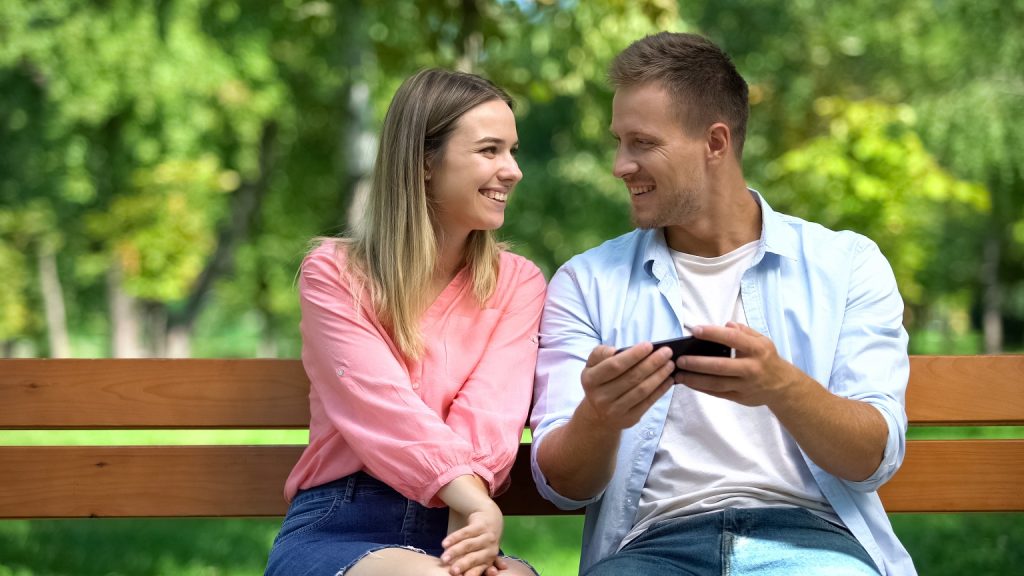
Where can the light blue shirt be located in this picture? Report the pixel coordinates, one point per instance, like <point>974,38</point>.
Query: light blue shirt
<point>828,301</point>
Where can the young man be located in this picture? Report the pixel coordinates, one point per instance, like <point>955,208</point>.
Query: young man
<point>764,463</point>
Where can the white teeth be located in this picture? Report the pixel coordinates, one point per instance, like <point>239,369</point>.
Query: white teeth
<point>634,190</point>
<point>494,195</point>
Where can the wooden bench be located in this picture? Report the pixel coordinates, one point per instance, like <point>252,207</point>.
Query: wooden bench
<point>220,481</point>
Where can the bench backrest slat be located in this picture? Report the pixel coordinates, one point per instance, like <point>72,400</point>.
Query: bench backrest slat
<point>262,393</point>
<point>140,481</point>
<point>153,393</point>
<point>966,390</point>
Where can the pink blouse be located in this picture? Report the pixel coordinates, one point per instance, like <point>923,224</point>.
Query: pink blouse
<point>416,425</point>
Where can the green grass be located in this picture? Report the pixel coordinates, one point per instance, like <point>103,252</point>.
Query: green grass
<point>941,544</point>
<point>214,547</point>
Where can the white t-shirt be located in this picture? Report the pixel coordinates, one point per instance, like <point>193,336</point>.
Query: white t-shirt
<point>715,453</point>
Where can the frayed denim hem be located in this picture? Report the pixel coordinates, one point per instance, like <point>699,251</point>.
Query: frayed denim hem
<point>523,562</point>
<point>421,551</point>
<point>378,549</point>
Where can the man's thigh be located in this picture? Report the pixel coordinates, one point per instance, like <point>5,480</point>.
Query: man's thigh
<point>786,541</point>
<point>678,547</point>
<point>761,542</point>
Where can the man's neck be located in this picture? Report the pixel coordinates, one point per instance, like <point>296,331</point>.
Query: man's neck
<point>729,219</point>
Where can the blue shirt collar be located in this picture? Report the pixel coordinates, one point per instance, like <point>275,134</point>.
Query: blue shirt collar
<point>776,238</point>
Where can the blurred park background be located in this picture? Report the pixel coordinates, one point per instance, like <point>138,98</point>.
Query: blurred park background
<point>163,165</point>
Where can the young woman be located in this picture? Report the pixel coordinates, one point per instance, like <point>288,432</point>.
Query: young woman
<point>420,341</point>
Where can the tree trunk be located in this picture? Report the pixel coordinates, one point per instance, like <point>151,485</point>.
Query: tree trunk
<point>156,329</point>
<point>357,140</point>
<point>268,337</point>
<point>245,205</point>
<point>124,317</point>
<point>992,304</point>
<point>53,304</point>
<point>469,40</point>
<point>179,342</point>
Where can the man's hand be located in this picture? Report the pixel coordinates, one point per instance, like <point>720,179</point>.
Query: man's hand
<point>578,459</point>
<point>846,437</point>
<point>757,376</point>
<point>619,388</point>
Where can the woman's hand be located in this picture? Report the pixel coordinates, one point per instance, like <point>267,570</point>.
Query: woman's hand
<point>473,549</point>
<point>475,526</point>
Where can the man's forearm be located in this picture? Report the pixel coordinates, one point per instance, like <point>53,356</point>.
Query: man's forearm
<point>845,437</point>
<point>578,458</point>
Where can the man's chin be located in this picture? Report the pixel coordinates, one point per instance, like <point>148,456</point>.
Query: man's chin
<point>644,223</point>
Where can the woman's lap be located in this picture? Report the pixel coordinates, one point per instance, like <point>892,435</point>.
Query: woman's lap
<point>331,527</point>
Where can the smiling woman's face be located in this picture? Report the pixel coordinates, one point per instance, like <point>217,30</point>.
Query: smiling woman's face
<point>470,184</point>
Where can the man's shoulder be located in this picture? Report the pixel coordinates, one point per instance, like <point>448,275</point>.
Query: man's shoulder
<point>816,238</point>
<point>620,248</point>
<point>609,255</point>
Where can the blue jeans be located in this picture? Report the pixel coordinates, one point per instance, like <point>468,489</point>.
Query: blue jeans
<point>331,527</point>
<point>741,542</point>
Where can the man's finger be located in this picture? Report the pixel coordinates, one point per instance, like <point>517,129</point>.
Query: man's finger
<point>599,354</point>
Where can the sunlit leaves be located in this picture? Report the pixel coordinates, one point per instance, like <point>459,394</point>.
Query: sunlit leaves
<point>162,232</point>
<point>870,172</point>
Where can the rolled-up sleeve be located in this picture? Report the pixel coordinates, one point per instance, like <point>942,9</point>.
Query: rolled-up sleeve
<point>567,336</point>
<point>490,409</point>
<point>871,363</point>
<point>365,392</point>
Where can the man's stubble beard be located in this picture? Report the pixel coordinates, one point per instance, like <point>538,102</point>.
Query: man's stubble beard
<point>679,212</point>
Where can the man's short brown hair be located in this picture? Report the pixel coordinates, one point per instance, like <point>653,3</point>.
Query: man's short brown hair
<point>699,76</point>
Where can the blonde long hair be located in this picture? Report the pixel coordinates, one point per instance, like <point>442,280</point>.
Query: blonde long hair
<point>394,245</point>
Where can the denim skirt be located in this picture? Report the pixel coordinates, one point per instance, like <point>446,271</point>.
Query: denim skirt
<point>330,527</point>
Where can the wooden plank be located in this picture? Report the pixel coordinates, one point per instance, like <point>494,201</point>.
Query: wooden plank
<point>958,476</point>
<point>258,393</point>
<point>966,390</point>
<point>153,393</point>
<point>142,481</point>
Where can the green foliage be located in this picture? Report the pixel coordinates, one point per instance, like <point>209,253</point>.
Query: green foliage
<point>14,308</point>
<point>163,232</point>
<point>871,173</point>
<point>138,128</point>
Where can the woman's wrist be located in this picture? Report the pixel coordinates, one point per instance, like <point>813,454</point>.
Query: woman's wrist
<point>466,494</point>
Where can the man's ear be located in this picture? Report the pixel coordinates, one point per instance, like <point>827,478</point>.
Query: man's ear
<point>719,140</point>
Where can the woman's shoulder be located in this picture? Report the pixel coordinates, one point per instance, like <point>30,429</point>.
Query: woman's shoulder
<point>328,258</point>
<point>517,269</point>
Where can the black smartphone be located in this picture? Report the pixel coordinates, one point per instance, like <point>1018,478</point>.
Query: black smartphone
<point>691,346</point>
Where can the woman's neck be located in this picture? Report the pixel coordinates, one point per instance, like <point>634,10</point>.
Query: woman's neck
<point>451,256</point>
